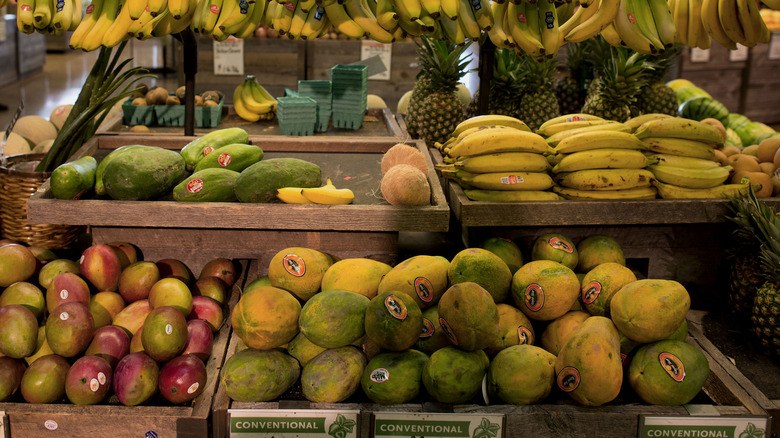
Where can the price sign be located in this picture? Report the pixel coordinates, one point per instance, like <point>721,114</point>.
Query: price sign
<point>229,57</point>
<point>701,426</point>
<point>699,55</point>
<point>774,46</point>
<point>739,55</point>
<point>384,52</point>
<point>406,425</point>
<point>289,423</point>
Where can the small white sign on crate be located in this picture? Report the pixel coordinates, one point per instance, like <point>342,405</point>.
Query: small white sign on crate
<point>739,55</point>
<point>700,55</point>
<point>774,46</point>
<point>369,49</point>
<point>290,423</point>
<point>229,57</point>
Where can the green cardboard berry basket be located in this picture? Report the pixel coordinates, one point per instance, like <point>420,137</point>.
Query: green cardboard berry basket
<point>173,115</point>
<point>137,114</point>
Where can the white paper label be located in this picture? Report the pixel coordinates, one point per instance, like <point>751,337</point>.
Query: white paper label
<point>194,387</point>
<point>101,378</point>
<point>408,424</point>
<point>289,423</point>
<point>739,55</point>
<point>168,329</point>
<point>64,294</point>
<point>94,385</point>
<point>699,55</point>
<point>229,57</point>
<point>774,46</point>
<point>384,51</point>
<point>64,316</point>
<point>50,424</point>
<point>727,427</point>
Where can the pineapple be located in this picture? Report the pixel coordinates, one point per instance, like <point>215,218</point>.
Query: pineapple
<point>421,88</point>
<point>656,97</point>
<point>539,103</point>
<point>760,221</point>
<point>620,79</point>
<point>506,86</point>
<point>440,110</point>
<point>570,89</point>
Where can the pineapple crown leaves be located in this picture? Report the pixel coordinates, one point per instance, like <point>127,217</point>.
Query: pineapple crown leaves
<point>508,74</point>
<point>623,76</point>
<point>538,74</point>
<point>659,64</point>
<point>576,63</point>
<point>443,62</point>
<point>758,225</point>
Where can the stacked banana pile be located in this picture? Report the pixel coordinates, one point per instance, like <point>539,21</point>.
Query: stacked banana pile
<point>498,159</point>
<point>252,102</point>
<point>597,159</point>
<point>684,156</point>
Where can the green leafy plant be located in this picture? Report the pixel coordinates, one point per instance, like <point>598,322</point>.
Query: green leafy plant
<point>341,427</point>
<point>97,96</point>
<point>486,429</point>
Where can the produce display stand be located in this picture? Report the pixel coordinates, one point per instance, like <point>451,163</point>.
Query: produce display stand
<point>378,122</point>
<point>197,232</point>
<point>559,417</point>
<point>154,418</point>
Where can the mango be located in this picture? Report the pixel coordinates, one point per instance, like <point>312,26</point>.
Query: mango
<point>304,350</point>
<point>514,328</point>
<point>334,318</point>
<point>128,249</point>
<point>11,372</point>
<point>44,380</point>
<point>432,336</point>
<point>88,381</point>
<point>211,287</point>
<point>132,317</point>
<point>601,283</point>
<point>650,310</point>
<point>136,280</point>
<point>55,267</point>
<point>521,374</point>
<point>222,268</point>
<point>200,340</point>
<point>589,367</point>
<point>110,343</point>
<point>266,317</point>
<point>558,332</point>
<point>333,375</point>
<point>101,266</point>
<point>299,271</point>
<point>394,377</point>
<point>171,292</point>
<point>454,376</point>
<point>358,275</point>
<point>393,321</point>
<point>135,379</point>
<point>668,372</point>
<point>545,289</point>
<point>26,294</point>
<point>506,249</point>
<point>422,277</point>
<point>165,333</point>
<point>69,329</point>
<point>65,288</point>
<point>481,266</point>
<point>18,331</point>
<point>208,310</point>
<point>182,379</point>
<point>42,347</point>
<point>257,282</point>
<point>172,268</point>
<point>469,316</point>
<point>136,342</point>
<point>258,375</point>
<point>104,306</point>
<point>17,263</point>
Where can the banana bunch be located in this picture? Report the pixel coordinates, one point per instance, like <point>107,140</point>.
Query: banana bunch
<point>497,159</point>
<point>669,191</point>
<point>252,102</point>
<point>327,194</point>
<point>590,19</point>
<point>222,18</point>
<point>529,27</point>
<point>48,16</point>
<point>648,26</point>
<point>727,22</point>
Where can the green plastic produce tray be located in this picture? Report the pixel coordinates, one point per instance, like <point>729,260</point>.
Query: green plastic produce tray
<point>173,115</point>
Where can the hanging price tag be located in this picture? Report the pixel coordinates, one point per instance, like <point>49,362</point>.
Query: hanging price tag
<point>699,55</point>
<point>774,46</point>
<point>229,57</point>
<point>739,55</point>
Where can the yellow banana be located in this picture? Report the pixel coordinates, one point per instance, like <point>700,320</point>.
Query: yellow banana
<point>490,120</point>
<point>729,20</point>
<point>178,8</point>
<point>42,13</point>
<point>678,127</point>
<point>554,139</point>
<point>24,16</point>
<point>137,7</point>
<point>209,20</point>
<point>681,147</point>
<point>250,25</point>
<point>239,17</point>
<point>664,21</point>
<point>343,22</point>
<point>697,37</point>
<point>362,15</point>
<point>157,7</point>
<point>601,159</point>
<point>517,24</point>
<point>94,38</point>
<point>635,193</point>
<point>504,162</point>
<point>450,9</point>
<point>752,23</point>
<point>548,23</point>
<point>147,31</point>
<point>711,23</point>
<point>432,7</point>
<point>510,196</point>
<point>292,195</point>
<point>643,15</point>
<point>497,33</point>
<point>504,180</point>
<point>409,9</point>
<point>499,140</point>
<point>297,22</point>
<point>91,15</point>
<point>199,15</point>
<point>692,178</point>
<point>669,191</point>
<point>117,32</point>
<point>228,10</point>
<point>452,31</point>
<point>568,118</point>
<point>589,140</point>
<point>483,13</point>
<point>138,24</point>
<point>328,194</point>
<point>468,21</point>
<point>611,35</point>
<point>637,121</point>
<point>681,161</point>
<point>607,10</point>
<point>582,13</point>
<point>628,28</point>
<point>62,14</point>
<point>238,105</point>
<point>315,23</point>
<point>680,13</point>
<point>386,15</point>
<point>574,124</point>
<point>605,179</point>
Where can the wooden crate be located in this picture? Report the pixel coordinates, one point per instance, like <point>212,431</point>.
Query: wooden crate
<point>113,419</point>
<point>559,417</point>
<point>377,122</point>
<point>186,231</point>
<point>761,92</point>
<point>721,77</point>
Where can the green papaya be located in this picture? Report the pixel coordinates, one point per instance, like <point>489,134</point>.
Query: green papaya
<point>195,150</point>
<point>144,174</point>
<point>100,189</point>
<point>259,182</point>
<point>207,185</point>
<point>235,157</point>
<point>74,179</point>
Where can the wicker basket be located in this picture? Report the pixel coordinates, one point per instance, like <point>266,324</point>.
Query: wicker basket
<point>18,181</point>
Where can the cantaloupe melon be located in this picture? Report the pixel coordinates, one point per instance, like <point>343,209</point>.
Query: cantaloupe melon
<point>464,95</point>
<point>59,114</point>
<point>403,102</point>
<point>16,144</point>
<point>374,101</point>
<point>403,154</point>
<point>35,129</point>
<point>43,147</point>
<point>405,184</point>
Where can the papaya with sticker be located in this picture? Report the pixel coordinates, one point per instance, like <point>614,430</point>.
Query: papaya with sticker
<point>359,275</point>
<point>555,247</point>
<point>432,336</point>
<point>236,157</point>
<point>299,270</point>
<point>394,377</point>
<point>393,321</point>
<point>545,290</point>
<point>668,372</point>
<point>207,185</point>
<point>469,317</point>
<point>423,278</point>
<point>601,283</point>
<point>514,328</point>
<point>198,148</point>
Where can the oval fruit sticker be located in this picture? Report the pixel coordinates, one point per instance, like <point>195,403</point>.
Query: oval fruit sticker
<point>568,379</point>
<point>224,159</point>
<point>448,331</point>
<point>558,243</point>
<point>379,375</point>
<point>396,307</point>
<point>524,335</point>
<point>534,297</point>
<point>427,329</point>
<point>294,265</point>
<point>195,185</point>
<point>424,289</point>
<point>590,292</point>
<point>673,366</point>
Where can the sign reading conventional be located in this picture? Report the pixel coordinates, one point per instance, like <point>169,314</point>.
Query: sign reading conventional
<point>405,425</point>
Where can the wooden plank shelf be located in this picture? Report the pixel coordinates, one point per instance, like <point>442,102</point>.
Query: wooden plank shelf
<point>154,418</point>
